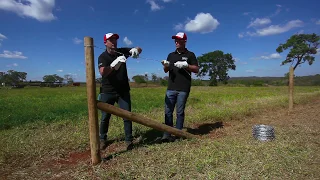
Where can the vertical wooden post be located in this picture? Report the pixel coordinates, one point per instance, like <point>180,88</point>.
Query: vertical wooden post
<point>91,98</point>
<point>291,73</point>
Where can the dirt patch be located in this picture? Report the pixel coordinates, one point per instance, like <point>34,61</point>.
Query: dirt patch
<point>73,158</point>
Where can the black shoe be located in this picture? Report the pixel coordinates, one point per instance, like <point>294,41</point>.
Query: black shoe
<point>129,146</point>
<point>103,144</point>
<point>167,139</point>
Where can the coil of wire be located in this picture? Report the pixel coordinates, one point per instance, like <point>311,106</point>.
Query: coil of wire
<point>263,132</point>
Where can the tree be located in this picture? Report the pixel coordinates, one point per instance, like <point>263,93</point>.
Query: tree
<point>13,77</point>
<point>216,65</point>
<point>154,77</point>
<point>52,78</point>
<point>139,79</point>
<point>68,78</point>
<point>302,48</point>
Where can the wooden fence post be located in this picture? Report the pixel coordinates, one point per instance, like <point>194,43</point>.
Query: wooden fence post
<point>291,74</point>
<point>91,98</point>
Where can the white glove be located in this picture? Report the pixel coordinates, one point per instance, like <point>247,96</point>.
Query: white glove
<point>181,64</point>
<point>165,63</point>
<point>117,62</point>
<point>134,53</point>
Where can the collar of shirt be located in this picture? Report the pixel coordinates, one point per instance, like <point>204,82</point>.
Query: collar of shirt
<point>184,52</point>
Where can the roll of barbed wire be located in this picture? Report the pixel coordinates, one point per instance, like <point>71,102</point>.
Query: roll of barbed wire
<point>263,132</point>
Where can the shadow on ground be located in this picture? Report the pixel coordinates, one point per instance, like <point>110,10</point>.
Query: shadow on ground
<point>153,136</point>
<point>206,128</point>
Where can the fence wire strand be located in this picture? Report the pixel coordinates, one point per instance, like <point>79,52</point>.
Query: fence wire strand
<point>139,57</point>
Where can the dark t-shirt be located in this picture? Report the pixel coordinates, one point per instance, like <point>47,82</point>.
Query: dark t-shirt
<point>180,79</point>
<point>117,81</point>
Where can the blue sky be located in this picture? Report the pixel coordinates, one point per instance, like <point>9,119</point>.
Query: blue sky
<point>44,37</point>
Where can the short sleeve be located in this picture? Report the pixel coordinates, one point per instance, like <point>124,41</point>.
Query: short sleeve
<point>102,61</point>
<point>192,60</point>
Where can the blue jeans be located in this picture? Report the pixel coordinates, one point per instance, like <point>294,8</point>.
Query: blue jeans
<point>179,99</point>
<point>124,102</point>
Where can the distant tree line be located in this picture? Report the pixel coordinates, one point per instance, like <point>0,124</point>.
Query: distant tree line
<point>17,79</point>
<point>215,65</point>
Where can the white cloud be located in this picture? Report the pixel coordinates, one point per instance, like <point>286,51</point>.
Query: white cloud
<point>40,10</point>
<point>277,11</point>
<point>277,29</point>
<point>60,70</point>
<point>167,1</point>
<point>249,71</point>
<point>178,27</point>
<point>318,51</point>
<point>127,41</point>
<point>14,64</point>
<point>318,22</point>
<point>12,55</point>
<point>2,37</point>
<point>271,56</point>
<point>246,13</point>
<point>202,23</point>
<point>274,29</point>
<point>259,22</point>
<point>91,8</point>
<point>153,5</point>
<point>77,40</point>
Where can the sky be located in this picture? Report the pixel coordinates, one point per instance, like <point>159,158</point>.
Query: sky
<point>44,37</point>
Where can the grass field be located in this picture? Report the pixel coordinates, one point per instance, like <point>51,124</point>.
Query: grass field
<point>41,124</point>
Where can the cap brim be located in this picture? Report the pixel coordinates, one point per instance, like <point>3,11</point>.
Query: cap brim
<point>176,37</point>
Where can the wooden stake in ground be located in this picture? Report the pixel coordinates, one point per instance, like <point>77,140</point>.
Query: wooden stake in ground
<point>91,97</point>
<point>142,120</point>
<point>291,74</point>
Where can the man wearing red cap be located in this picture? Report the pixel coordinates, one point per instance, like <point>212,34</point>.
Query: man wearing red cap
<point>115,84</point>
<point>180,64</point>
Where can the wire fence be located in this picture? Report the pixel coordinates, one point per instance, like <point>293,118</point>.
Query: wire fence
<point>151,59</point>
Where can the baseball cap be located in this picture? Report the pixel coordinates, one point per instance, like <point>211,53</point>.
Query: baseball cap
<point>180,35</point>
<point>109,35</point>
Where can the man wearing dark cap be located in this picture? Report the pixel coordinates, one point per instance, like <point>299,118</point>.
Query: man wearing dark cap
<point>180,64</point>
<point>115,84</point>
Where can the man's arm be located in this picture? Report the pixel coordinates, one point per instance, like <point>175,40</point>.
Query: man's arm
<point>193,64</point>
<point>104,69</point>
<point>126,50</point>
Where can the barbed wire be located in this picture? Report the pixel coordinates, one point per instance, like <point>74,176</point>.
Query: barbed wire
<point>123,54</point>
<point>137,58</point>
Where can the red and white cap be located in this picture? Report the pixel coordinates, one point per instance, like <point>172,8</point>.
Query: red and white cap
<point>180,35</point>
<point>109,35</point>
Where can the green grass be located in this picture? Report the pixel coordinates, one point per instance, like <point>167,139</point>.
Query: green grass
<point>23,106</point>
<point>38,123</point>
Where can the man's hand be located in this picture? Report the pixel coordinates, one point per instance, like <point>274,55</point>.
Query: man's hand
<point>117,62</point>
<point>165,63</point>
<point>134,53</point>
<point>181,64</point>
